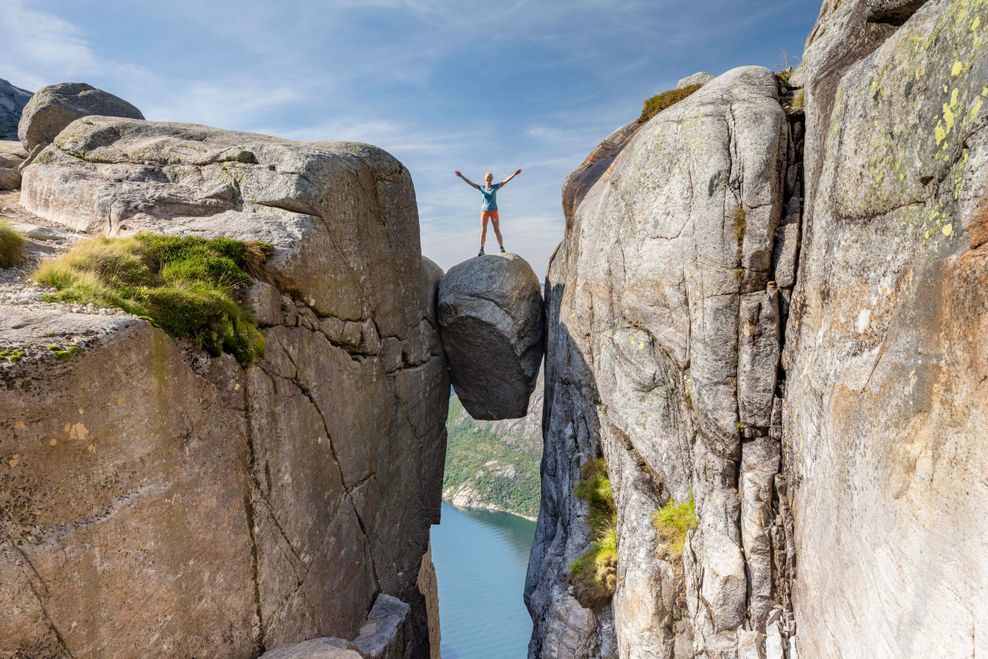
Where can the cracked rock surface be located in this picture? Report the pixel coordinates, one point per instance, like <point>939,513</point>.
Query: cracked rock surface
<point>155,499</point>
<point>662,356</point>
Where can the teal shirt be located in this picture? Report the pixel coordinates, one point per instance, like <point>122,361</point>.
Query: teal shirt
<point>490,196</point>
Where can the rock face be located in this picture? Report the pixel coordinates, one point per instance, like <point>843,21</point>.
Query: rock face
<point>12,155</point>
<point>490,317</point>
<point>158,501</point>
<point>886,406</point>
<point>663,324</point>
<point>56,106</point>
<point>698,78</point>
<point>12,102</point>
<point>801,351</point>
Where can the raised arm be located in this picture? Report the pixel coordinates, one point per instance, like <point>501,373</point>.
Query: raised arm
<point>508,180</point>
<point>466,180</point>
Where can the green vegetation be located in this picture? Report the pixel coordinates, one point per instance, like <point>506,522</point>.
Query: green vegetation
<point>11,245</point>
<point>785,74</point>
<point>61,352</point>
<point>12,355</point>
<point>594,573</point>
<point>740,225</point>
<point>666,99</point>
<point>798,100</point>
<point>503,476</point>
<point>184,285</point>
<point>672,522</point>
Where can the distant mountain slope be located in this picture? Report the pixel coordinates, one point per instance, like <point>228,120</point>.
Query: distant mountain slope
<point>494,464</point>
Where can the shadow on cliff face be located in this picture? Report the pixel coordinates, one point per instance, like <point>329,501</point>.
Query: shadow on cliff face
<point>570,429</point>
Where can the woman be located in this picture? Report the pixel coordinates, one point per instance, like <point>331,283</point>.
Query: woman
<point>489,209</point>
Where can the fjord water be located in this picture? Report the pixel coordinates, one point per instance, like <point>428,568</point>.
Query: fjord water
<point>481,558</point>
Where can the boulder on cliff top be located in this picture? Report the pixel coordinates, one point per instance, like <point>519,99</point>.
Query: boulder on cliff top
<point>12,102</point>
<point>698,78</point>
<point>491,323</point>
<point>56,106</point>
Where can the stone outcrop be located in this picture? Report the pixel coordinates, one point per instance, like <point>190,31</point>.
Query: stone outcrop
<point>54,107</point>
<point>490,318</point>
<point>662,355</point>
<point>799,350</point>
<point>12,155</point>
<point>886,406</point>
<point>12,102</point>
<point>698,78</point>
<point>158,501</point>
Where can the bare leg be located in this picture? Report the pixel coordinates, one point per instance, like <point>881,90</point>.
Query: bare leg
<point>483,231</point>
<point>497,231</point>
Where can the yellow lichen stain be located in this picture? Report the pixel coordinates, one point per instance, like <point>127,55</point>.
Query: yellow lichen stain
<point>53,442</point>
<point>975,23</point>
<point>947,230</point>
<point>13,460</point>
<point>77,430</point>
<point>91,448</point>
<point>939,133</point>
<point>957,68</point>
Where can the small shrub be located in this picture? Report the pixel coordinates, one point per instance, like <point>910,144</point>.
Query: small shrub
<point>11,245</point>
<point>594,574</point>
<point>785,74</point>
<point>798,101</point>
<point>666,99</point>
<point>184,285</point>
<point>672,522</point>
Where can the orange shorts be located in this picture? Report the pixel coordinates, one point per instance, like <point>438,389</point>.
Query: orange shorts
<point>489,215</point>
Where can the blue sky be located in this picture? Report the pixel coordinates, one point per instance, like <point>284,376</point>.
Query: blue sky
<point>441,84</point>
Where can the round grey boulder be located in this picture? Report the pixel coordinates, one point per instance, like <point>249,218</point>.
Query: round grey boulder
<point>492,327</point>
<point>56,106</point>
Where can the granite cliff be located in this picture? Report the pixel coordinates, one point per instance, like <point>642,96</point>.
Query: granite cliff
<point>163,501</point>
<point>766,322</point>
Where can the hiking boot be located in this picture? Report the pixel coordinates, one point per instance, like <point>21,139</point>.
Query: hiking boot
<point>481,252</point>
<point>502,249</point>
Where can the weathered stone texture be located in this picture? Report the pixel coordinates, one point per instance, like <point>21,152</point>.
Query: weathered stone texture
<point>257,506</point>
<point>886,405</point>
<point>12,102</point>
<point>663,322</point>
<point>492,325</point>
<point>54,107</point>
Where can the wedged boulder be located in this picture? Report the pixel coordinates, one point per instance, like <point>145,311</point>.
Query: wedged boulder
<point>491,323</point>
<point>12,102</point>
<point>54,107</point>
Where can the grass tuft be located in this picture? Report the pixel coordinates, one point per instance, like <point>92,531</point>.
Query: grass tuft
<point>672,522</point>
<point>184,285</point>
<point>798,101</point>
<point>11,245</point>
<point>594,574</point>
<point>666,99</point>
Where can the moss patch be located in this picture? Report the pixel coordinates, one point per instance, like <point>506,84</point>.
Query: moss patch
<point>13,356</point>
<point>184,285</point>
<point>740,225</point>
<point>11,245</point>
<point>64,352</point>
<point>594,574</point>
<point>666,99</point>
<point>672,522</point>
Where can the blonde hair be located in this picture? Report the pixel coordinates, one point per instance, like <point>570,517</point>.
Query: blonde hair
<point>489,174</point>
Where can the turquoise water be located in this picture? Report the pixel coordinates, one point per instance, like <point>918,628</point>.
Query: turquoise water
<point>481,558</point>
